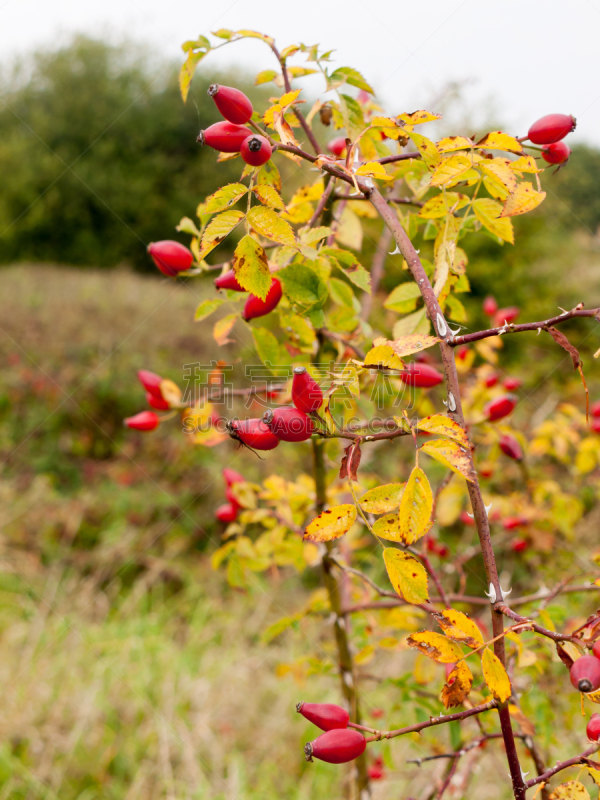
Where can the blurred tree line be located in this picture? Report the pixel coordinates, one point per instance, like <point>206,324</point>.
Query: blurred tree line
<point>99,157</point>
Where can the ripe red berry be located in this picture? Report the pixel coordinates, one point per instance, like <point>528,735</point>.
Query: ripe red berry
<point>595,425</point>
<point>253,433</point>
<point>255,307</point>
<point>256,150</point>
<point>596,649</point>
<point>375,771</point>
<point>511,447</point>
<point>232,499</point>
<point>551,128</point>
<point>231,476</point>
<point>233,104</point>
<point>510,384</point>
<point>306,392</point>
<point>144,421</point>
<point>289,424</point>
<point>326,716</point>
<point>337,746</point>
<point>585,674</point>
<point>462,352</point>
<point>151,382</point>
<point>224,136</point>
<point>421,375</point>
<point>170,257</point>
<point>595,409</point>
<point>337,146</point>
<point>159,403</point>
<point>226,513</point>
<point>500,407</point>
<point>490,306</point>
<point>229,281</point>
<point>556,153</point>
<point>508,314</point>
<point>510,523</point>
<point>466,519</point>
<point>518,545</point>
<point>593,728</point>
<point>491,380</point>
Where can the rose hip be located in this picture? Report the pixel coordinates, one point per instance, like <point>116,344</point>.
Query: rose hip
<point>337,746</point>
<point>326,716</point>
<point>306,392</point>
<point>232,103</point>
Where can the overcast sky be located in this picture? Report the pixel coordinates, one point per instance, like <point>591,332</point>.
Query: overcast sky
<point>530,57</point>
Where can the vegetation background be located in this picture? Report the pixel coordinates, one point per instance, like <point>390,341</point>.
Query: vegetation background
<point>129,669</point>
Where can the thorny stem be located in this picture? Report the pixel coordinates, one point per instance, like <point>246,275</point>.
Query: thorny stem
<point>557,637</point>
<point>455,412</point>
<point>441,720</point>
<point>571,762</point>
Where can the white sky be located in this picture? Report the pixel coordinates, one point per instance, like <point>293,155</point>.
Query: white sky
<point>530,57</point>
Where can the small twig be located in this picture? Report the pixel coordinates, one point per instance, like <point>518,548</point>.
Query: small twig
<point>571,762</point>
<point>556,637</point>
<point>441,720</point>
<point>322,203</point>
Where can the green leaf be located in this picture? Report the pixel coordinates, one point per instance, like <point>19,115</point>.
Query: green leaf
<point>341,293</point>
<point>303,286</point>
<point>353,116</point>
<point>348,75</point>
<point>206,308</point>
<point>403,298</point>
<point>266,76</point>
<point>267,346</point>
<point>418,322</point>
<point>186,73</point>
<point>270,225</point>
<point>187,225</point>
<point>269,175</point>
<point>251,267</point>
<point>269,196</point>
<point>350,266</point>
<point>224,197</point>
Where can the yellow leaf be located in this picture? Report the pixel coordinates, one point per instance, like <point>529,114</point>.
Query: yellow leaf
<point>435,646</point>
<point>388,126</point>
<point>251,267</point>
<point>331,524</point>
<point>374,170</point>
<point>450,143</point>
<point>416,506</point>
<point>571,790</point>
<point>496,140</point>
<point>459,627</point>
<point>488,212</point>
<point>387,528</point>
<point>594,775</point>
<point>418,117</point>
<point>427,148</point>
<point>449,169</point>
<point>495,676</point>
<point>223,328</point>
<point>524,722</point>
<point>224,197</point>
<point>170,392</point>
<point>219,227</point>
<point>268,196</point>
<point>407,575</point>
<point>523,200</point>
<point>270,225</point>
<point>382,499</point>
<point>525,164</point>
<point>405,345</point>
<point>451,455</point>
<point>444,426</point>
<point>289,97</point>
<point>458,685</point>
<point>500,170</point>
<point>383,356</point>
<point>440,205</point>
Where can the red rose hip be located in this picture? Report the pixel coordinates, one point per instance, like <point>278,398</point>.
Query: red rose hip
<point>593,728</point>
<point>255,307</point>
<point>337,146</point>
<point>151,382</point>
<point>226,513</point>
<point>146,421</point>
<point>229,281</point>
<point>556,153</point>
<point>306,392</point>
<point>224,136</point>
<point>551,128</point>
<point>422,376</point>
<point>289,424</point>
<point>253,433</point>
<point>510,384</point>
<point>511,447</point>
<point>233,104</point>
<point>326,716</point>
<point>500,407</point>
<point>256,150</point>
<point>231,476</point>
<point>490,306</point>
<point>170,257</point>
<point>585,674</point>
<point>508,315</point>
<point>595,409</point>
<point>336,747</point>
<point>159,403</point>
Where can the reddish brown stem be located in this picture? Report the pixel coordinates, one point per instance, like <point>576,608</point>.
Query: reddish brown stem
<point>442,720</point>
<point>571,762</point>
<point>322,203</point>
<point>557,637</point>
<point>377,270</point>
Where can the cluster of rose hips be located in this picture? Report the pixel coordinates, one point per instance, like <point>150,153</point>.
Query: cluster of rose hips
<point>284,424</point>
<point>549,131</point>
<point>499,315</point>
<point>338,744</point>
<point>232,136</point>
<point>149,420</point>
<point>255,306</point>
<point>228,511</point>
<point>585,677</point>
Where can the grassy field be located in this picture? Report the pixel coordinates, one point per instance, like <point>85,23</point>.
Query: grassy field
<point>129,669</point>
